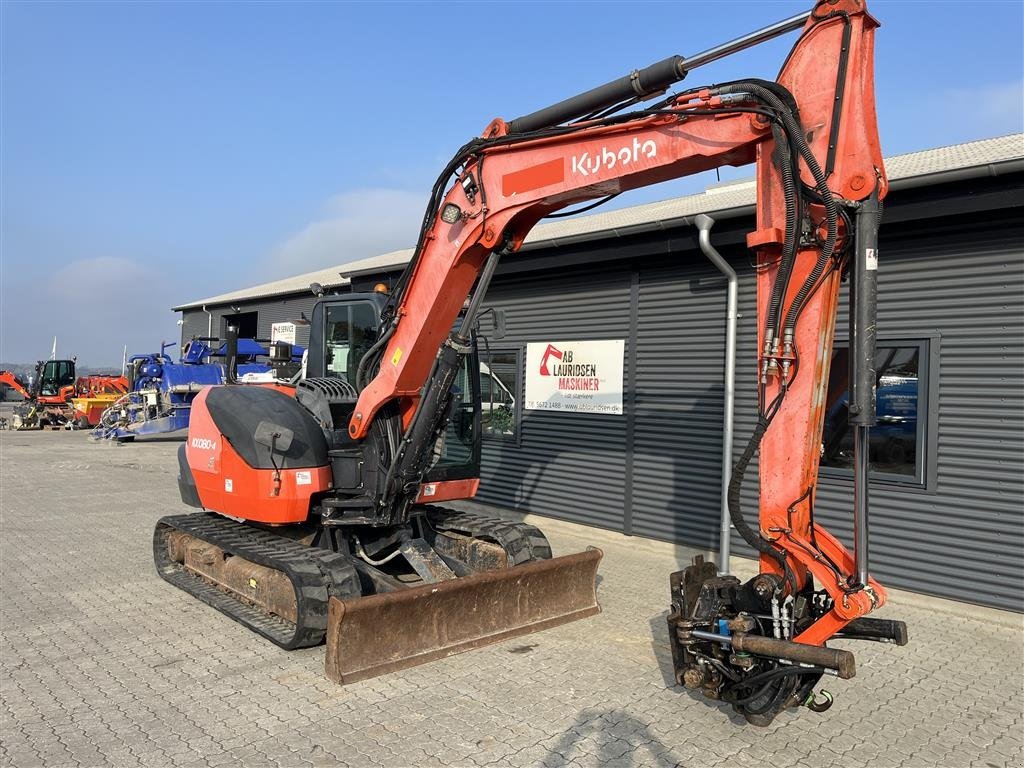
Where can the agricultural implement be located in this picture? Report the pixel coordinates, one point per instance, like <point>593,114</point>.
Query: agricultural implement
<point>159,398</point>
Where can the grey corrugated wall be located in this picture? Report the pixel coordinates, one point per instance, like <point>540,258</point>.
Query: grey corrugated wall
<point>570,466</point>
<point>961,537</point>
<point>677,444</point>
<point>281,309</point>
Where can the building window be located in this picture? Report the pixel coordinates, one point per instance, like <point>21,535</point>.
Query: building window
<point>899,439</point>
<point>245,322</point>
<point>501,378</point>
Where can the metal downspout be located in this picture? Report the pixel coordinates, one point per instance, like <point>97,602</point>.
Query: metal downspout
<point>704,224</point>
<point>209,322</point>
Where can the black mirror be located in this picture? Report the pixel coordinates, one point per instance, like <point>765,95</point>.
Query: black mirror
<point>274,436</point>
<point>499,324</point>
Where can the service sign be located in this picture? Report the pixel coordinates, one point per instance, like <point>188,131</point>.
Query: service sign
<point>283,332</point>
<point>575,376</point>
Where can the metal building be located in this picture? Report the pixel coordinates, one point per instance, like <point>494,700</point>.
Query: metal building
<point>947,489</point>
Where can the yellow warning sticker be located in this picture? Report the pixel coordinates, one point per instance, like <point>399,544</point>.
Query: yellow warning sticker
<point>396,357</point>
<point>252,583</point>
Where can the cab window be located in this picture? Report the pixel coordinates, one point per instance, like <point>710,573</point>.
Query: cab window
<point>351,331</point>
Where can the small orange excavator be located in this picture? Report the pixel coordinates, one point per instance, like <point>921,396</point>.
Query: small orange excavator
<point>15,382</point>
<point>51,399</point>
<point>322,498</point>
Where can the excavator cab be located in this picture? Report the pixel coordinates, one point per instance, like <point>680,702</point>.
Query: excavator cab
<point>54,375</point>
<point>343,329</point>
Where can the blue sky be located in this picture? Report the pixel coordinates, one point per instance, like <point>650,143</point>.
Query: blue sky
<point>155,153</point>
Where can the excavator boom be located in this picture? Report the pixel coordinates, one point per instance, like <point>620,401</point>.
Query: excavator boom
<point>820,180</point>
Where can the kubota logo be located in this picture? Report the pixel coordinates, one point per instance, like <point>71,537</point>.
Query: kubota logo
<point>204,443</point>
<point>606,159</point>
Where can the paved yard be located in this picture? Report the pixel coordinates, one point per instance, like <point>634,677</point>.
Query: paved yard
<point>105,664</point>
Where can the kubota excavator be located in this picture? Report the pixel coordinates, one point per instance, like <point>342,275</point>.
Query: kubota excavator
<point>321,497</point>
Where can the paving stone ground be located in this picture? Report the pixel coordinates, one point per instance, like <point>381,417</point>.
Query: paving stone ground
<point>102,663</point>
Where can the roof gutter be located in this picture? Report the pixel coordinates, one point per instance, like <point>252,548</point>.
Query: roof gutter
<point>988,170</point>
<point>674,222</point>
<point>216,301</point>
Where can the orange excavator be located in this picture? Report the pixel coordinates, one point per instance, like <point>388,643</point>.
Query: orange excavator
<point>50,401</point>
<point>321,497</point>
<point>15,382</point>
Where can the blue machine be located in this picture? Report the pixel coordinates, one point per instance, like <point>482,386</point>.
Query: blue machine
<point>161,394</point>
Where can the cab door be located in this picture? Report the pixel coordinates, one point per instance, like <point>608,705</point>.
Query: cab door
<point>457,451</point>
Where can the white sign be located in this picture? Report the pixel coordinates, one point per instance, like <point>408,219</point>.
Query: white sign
<point>282,332</point>
<point>575,376</point>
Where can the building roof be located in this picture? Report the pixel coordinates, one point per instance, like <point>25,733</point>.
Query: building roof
<point>728,196</point>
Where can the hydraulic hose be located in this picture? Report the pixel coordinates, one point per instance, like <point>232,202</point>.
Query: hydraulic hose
<point>784,161</point>
<point>364,361</point>
<point>735,486</point>
<point>796,136</point>
<point>767,678</point>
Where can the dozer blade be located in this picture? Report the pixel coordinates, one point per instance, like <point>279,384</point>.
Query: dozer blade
<point>374,635</point>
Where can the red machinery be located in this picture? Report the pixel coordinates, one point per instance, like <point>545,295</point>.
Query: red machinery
<point>354,453</point>
<point>49,400</point>
<point>12,380</point>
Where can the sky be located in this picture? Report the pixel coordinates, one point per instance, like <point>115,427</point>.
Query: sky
<point>153,153</point>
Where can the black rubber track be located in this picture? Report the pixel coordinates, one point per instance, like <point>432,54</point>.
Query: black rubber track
<point>315,574</point>
<point>522,542</point>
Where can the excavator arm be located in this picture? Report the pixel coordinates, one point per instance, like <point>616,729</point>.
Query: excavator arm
<point>12,380</point>
<point>820,179</point>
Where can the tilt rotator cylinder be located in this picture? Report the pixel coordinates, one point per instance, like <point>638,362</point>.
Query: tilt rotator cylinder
<point>841,662</point>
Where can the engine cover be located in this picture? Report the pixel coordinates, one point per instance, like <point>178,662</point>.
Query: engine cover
<point>240,476</point>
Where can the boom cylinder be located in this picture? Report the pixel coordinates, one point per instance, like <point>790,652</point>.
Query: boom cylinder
<point>643,82</point>
<point>864,314</point>
<point>863,375</point>
<point>649,81</point>
<point>748,40</point>
<point>435,401</point>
